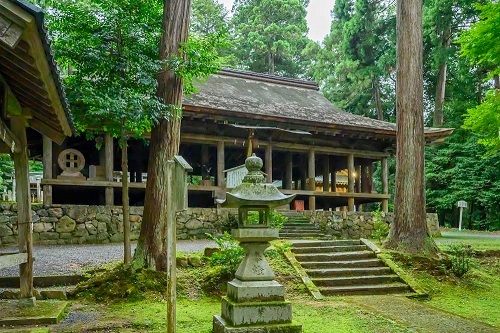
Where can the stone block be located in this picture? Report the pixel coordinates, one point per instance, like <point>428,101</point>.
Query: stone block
<point>53,294</point>
<point>77,213</point>
<point>135,218</point>
<point>65,224</point>
<point>80,231</point>
<point>103,218</point>
<point>261,313</point>
<point>9,240</point>
<point>194,224</point>
<point>116,238</point>
<point>4,219</point>
<point>5,230</point>
<point>135,210</point>
<point>55,212</point>
<point>221,326</point>
<point>65,235</point>
<point>101,227</point>
<point>92,230</point>
<point>50,219</point>
<point>49,236</point>
<point>255,291</point>
<point>102,236</point>
<point>5,206</point>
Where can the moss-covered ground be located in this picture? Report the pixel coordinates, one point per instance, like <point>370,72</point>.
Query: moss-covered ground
<point>118,301</point>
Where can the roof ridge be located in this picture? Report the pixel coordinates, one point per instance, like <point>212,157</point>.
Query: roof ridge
<point>269,78</point>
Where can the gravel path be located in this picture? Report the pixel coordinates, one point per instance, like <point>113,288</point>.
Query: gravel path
<point>71,259</point>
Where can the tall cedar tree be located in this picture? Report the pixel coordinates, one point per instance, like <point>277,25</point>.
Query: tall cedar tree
<point>270,35</point>
<point>165,138</point>
<point>409,232</point>
<point>357,61</point>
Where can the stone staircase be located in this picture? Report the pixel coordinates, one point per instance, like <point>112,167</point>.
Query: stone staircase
<point>298,227</point>
<point>346,267</point>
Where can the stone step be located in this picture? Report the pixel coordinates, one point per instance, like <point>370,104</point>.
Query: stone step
<point>356,281</point>
<point>336,256</point>
<point>298,224</point>
<point>330,249</point>
<point>59,293</point>
<point>355,271</point>
<point>343,263</point>
<point>292,236</point>
<point>304,227</point>
<point>338,242</point>
<point>301,233</point>
<point>376,289</point>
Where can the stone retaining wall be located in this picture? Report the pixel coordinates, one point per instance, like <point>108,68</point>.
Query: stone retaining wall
<point>358,224</point>
<point>77,224</point>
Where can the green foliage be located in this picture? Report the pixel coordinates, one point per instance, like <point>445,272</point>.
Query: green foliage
<point>358,59</point>
<point>231,222</point>
<point>6,168</point>
<point>229,256</point>
<point>276,219</point>
<point>461,258</point>
<point>269,36</point>
<point>481,46</point>
<point>380,227</point>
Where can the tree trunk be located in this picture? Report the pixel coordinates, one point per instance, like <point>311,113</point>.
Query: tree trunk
<point>271,63</point>
<point>438,119</point>
<point>156,245</point>
<point>125,204</point>
<point>409,232</point>
<point>376,98</point>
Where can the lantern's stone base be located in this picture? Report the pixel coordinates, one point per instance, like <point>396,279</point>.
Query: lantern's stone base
<point>255,291</point>
<point>256,313</point>
<point>222,326</point>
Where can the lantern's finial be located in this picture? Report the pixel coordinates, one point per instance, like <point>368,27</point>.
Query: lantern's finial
<point>254,164</point>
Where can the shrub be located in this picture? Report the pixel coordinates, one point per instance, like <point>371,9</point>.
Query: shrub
<point>461,258</point>
<point>380,227</point>
<point>230,254</point>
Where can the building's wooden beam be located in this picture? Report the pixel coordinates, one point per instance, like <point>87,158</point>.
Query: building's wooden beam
<point>220,164</point>
<point>10,32</point>
<point>269,162</point>
<point>18,126</point>
<point>7,137</point>
<point>385,184</point>
<point>351,180</point>
<point>311,174</point>
<point>14,259</point>
<point>108,168</point>
<point>288,171</point>
<point>333,173</point>
<point>282,146</point>
<point>47,130</point>
<point>47,170</point>
<point>326,173</point>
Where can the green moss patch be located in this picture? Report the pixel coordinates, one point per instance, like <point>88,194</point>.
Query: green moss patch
<point>44,313</point>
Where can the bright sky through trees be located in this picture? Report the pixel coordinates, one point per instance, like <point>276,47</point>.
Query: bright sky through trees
<point>318,17</point>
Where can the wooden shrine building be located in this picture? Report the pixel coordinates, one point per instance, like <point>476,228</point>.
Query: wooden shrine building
<point>32,109</point>
<point>309,147</point>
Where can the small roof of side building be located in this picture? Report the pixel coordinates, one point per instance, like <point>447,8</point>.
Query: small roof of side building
<point>298,104</point>
<point>28,68</point>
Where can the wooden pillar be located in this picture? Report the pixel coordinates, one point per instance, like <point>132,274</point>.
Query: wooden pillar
<point>366,177</point>
<point>23,210</point>
<point>311,173</point>
<point>333,173</point>
<point>350,183</point>
<point>288,171</point>
<point>326,173</point>
<point>47,170</point>
<point>385,184</point>
<point>108,167</point>
<point>357,179</point>
<point>303,173</point>
<point>220,164</point>
<point>269,162</point>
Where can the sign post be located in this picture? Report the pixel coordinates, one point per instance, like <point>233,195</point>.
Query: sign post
<point>461,205</point>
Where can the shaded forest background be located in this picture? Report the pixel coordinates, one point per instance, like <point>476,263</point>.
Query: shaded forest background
<point>355,68</point>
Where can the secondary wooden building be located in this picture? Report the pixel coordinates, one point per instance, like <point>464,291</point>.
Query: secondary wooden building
<point>306,143</point>
<point>32,106</point>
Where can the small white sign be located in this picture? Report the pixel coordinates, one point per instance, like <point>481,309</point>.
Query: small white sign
<point>462,204</point>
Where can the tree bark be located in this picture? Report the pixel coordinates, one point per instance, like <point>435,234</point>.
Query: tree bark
<point>125,204</point>
<point>441,80</point>
<point>409,232</point>
<point>376,98</point>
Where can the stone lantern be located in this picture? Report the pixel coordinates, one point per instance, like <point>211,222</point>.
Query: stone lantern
<point>255,302</point>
